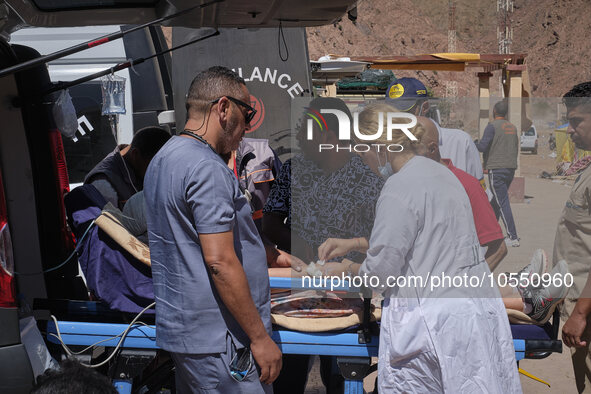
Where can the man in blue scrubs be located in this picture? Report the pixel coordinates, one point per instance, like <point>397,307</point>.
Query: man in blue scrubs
<point>208,261</point>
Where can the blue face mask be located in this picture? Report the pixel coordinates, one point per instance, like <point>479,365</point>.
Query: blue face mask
<point>385,170</point>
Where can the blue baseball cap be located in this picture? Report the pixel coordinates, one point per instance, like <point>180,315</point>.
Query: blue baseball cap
<point>405,92</point>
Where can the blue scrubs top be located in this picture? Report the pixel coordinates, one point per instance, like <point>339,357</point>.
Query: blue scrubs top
<point>189,190</point>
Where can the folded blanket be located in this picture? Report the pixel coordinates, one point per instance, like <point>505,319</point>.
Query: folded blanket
<point>314,304</point>
<point>322,324</point>
<point>517,317</point>
<point>111,225</point>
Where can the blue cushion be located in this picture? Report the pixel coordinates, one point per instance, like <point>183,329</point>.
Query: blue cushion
<point>530,331</point>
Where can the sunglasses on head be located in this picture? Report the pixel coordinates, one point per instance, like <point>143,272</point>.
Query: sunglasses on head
<point>251,111</point>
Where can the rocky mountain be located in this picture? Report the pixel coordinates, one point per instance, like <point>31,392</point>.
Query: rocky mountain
<point>553,33</point>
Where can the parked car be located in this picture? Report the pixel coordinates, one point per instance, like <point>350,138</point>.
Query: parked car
<point>529,140</point>
<point>34,236</point>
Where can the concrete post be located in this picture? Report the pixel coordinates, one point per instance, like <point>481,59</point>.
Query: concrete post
<point>515,87</point>
<point>484,99</point>
<point>515,105</point>
<point>514,90</point>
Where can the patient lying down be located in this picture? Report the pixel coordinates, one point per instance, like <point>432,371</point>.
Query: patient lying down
<point>523,304</point>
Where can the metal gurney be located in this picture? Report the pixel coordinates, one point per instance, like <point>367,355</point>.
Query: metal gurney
<point>353,349</point>
<point>353,356</point>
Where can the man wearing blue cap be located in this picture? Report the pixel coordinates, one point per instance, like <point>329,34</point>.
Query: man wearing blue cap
<point>410,95</point>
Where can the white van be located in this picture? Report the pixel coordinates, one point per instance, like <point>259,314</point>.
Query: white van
<point>529,140</point>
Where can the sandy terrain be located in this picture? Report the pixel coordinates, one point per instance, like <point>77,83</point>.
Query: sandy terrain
<point>548,31</point>
<point>536,221</point>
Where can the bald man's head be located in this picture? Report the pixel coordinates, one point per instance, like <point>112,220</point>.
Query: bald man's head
<point>430,138</point>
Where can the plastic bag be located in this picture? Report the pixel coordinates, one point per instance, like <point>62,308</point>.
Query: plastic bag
<point>113,89</point>
<point>371,78</point>
<point>64,114</point>
<point>381,78</point>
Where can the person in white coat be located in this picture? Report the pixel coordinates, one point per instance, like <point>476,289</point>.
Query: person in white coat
<point>441,339</point>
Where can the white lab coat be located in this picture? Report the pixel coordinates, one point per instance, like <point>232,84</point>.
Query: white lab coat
<point>446,340</point>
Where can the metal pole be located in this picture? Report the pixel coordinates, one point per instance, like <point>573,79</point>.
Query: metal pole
<point>90,44</point>
<point>118,67</point>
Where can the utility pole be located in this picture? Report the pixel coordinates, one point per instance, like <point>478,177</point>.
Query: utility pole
<point>504,29</point>
<point>451,30</point>
<point>451,86</point>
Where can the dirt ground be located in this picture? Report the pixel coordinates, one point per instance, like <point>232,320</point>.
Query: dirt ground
<point>536,221</point>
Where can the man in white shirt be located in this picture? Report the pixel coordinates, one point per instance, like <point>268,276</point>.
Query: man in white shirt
<point>410,95</point>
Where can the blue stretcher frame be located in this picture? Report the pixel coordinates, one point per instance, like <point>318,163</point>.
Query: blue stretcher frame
<point>144,337</point>
<point>290,342</point>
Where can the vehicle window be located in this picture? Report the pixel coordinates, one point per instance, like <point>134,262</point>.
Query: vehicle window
<point>530,132</point>
<point>59,5</point>
<point>93,146</point>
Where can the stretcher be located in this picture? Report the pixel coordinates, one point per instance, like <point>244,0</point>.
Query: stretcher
<point>352,349</point>
<point>87,323</point>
